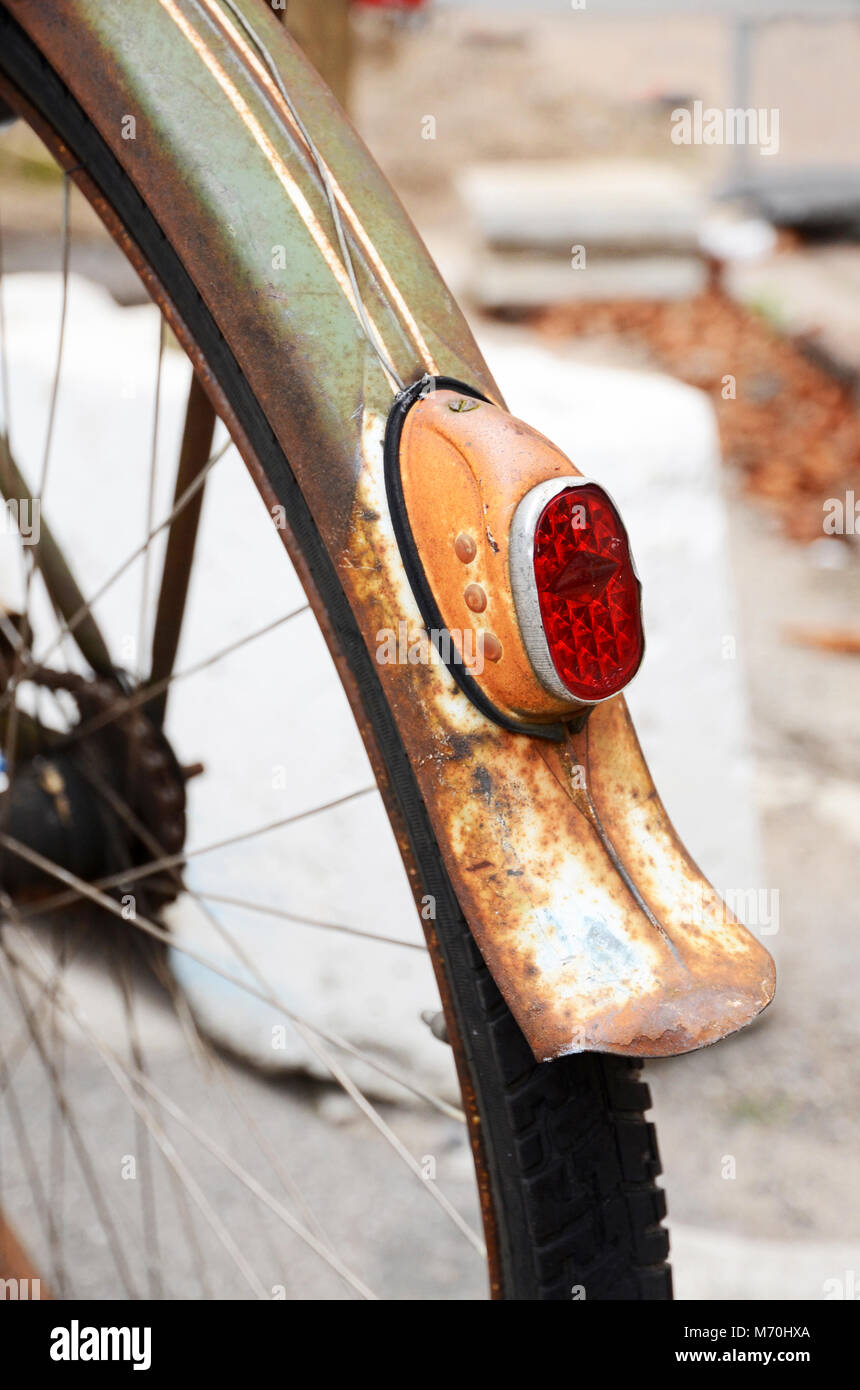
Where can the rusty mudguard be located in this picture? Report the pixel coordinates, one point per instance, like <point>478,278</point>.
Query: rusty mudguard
<point>598,928</point>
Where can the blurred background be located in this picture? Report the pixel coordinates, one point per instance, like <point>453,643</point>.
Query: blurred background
<point>679,309</point>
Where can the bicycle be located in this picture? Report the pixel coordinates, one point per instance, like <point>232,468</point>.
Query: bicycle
<point>551,888</point>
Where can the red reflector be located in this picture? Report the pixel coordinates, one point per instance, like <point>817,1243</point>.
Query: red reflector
<point>588,593</point>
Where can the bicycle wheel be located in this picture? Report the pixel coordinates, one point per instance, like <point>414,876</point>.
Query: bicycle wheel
<point>566,1162</point>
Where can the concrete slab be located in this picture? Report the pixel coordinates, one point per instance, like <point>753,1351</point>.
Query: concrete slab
<point>517,280</point>
<point>629,205</point>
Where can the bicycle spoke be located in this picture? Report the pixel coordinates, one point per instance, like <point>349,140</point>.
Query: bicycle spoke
<point>61,340</point>
<point>346,1082</point>
<point>279,912</point>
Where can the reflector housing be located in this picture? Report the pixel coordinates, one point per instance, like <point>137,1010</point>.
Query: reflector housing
<point>577,591</point>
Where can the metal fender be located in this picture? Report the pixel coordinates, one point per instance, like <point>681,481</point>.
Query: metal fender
<point>598,927</point>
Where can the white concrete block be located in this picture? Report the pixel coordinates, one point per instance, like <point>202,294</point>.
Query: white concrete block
<point>630,205</point>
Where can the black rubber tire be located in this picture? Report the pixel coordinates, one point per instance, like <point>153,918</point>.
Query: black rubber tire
<point>572,1161</point>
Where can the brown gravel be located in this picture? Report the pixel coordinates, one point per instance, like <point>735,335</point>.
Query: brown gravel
<point>792,431</point>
